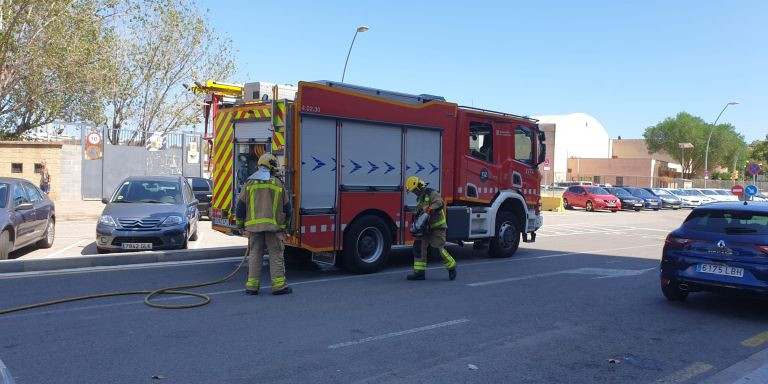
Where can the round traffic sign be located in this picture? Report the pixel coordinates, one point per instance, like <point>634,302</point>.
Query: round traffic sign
<point>94,138</point>
<point>754,169</point>
<point>737,190</point>
<point>750,190</point>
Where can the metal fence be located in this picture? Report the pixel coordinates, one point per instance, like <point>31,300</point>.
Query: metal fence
<point>111,155</point>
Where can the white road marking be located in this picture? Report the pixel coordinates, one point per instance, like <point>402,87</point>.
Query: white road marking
<point>67,248</point>
<point>5,374</point>
<point>602,272</point>
<point>400,333</point>
<point>685,374</point>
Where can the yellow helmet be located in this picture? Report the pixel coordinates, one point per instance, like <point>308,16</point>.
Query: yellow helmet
<point>269,161</point>
<point>413,183</point>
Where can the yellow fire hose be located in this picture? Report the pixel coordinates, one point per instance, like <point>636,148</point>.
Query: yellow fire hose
<point>148,299</point>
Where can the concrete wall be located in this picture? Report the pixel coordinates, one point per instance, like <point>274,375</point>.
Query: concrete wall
<point>71,159</point>
<point>637,149</point>
<point>28,154</point>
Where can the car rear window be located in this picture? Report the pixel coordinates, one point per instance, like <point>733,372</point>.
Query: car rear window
<point>640,192</point>
<point>199,184</point>
<point>4,194</point>
<point>728,222</point>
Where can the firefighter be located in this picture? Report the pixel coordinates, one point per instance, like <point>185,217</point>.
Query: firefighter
<point>429,227</point>
<point>263,211</point>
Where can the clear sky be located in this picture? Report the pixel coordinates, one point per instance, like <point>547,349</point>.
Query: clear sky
<point>630,64</point>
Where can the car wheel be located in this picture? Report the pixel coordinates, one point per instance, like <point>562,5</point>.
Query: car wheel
<point>507,238</point>
<point>637,209</point>
<point>589,207</point>
<point>194,236</point>
<point>50,235</point>
<point>614,210</point>
<point>673,292</point>
<point>675,209</point>
<point>566,205</point>
<point>367,243</point>
<point>656,209</point>
<point>6,245</point>
<point>185,244</point>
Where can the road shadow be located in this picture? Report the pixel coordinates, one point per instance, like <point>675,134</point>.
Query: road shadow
<point>89,249</point>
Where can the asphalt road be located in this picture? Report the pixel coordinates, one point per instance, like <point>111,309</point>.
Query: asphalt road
<point>585,293</point>
<point>76,238</point>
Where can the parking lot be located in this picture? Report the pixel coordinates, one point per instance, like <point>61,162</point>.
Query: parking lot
<point>581,305</point>
<point>76,238</point>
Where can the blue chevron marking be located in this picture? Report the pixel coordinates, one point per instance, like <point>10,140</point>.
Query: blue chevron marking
<point>334,164</point>
<point>390,168</point>
<point>434,168</point>
<point>374,167</point>
<point>355,165</point>
<point>319,164</point>
<point>420,167</point>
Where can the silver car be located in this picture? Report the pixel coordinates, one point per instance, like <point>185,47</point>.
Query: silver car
<point>148,213</point>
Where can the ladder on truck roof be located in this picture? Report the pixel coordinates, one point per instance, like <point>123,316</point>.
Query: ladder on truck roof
<point>390,95</point>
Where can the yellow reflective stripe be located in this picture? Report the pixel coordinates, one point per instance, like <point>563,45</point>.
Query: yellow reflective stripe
<point>278,281</point>
<point>441,221</point>
<point>449,261</point>
<point>420,265</point>
<point>252,282</point>
<point>264,185</point>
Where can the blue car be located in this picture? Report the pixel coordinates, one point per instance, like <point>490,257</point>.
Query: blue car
<point>720,246</point>
<point>651,201</point>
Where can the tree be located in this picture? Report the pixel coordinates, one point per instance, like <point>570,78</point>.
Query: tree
<point>725,148</point>
<point>51,66</point>
<point>758,151</point>
<point>160,47</point>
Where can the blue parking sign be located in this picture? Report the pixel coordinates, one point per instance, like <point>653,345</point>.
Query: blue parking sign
<point>750,190</point>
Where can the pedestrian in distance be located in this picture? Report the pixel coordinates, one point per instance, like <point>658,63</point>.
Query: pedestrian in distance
<point>429,228</point>
<point>263,211</point>
<point>45,178</point>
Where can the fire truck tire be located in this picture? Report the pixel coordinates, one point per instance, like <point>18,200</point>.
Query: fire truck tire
<point>367,243</point>
<point>507,238</point>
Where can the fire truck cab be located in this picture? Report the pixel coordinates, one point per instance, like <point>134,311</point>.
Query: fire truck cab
<point>346,151</point>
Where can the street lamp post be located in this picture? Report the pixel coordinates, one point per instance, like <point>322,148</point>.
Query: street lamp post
<point>360,29</point>
<point>706,151</point>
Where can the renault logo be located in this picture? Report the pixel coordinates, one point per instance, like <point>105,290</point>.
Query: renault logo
<point>721,244</point>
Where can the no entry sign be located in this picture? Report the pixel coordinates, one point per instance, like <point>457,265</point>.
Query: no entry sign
<point>737,190</point>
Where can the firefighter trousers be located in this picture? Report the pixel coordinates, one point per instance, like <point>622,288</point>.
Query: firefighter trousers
<point>272,242</point>
<point>435,238</point>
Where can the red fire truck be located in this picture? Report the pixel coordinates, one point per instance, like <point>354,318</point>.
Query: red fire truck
<point>346,151</point>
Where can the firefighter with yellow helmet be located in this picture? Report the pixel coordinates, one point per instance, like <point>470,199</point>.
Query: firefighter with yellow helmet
<point>429,227</point>
<point>263,211</point>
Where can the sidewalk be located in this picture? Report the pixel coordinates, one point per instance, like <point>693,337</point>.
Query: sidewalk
<point>78,210</point>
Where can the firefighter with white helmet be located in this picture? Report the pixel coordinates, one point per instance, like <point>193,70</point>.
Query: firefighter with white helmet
<point>263,211</point>
<point>429,227</point>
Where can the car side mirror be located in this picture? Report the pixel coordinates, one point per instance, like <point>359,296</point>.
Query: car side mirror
<point>105,200</point>
<point>194,202</point>
<point>24,206</point>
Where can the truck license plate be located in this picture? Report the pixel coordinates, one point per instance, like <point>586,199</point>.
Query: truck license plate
<point>220,221</point>
<point>137,245</point>
<point>723,270</point>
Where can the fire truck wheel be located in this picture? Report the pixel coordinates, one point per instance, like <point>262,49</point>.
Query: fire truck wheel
<point>366,245</point>
<point>507,238</point>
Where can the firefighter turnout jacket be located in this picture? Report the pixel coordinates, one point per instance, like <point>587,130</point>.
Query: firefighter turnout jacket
<point>263,206</point>
<point>430,201</point>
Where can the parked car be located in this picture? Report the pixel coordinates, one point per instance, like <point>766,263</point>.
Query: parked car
<point>651,201</point>
<point>27,216</point>
<point>714,195</point>
<point>729,196</point>
<point>688,200</point>
<point>704,199</point>
<point>720,246</point>
<point>590,198</point>
<point>203,190</point>
<point>628,200</point>
<point>760,197</point>
<point>144,213</point>
<point>668,200</point>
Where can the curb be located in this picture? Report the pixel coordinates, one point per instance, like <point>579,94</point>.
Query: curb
<point>116,259</point>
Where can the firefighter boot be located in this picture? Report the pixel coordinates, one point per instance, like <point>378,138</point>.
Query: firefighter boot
<point>252,286</point>
<point>452,273</point>
<point>417,275</point>
<point>283,291</point>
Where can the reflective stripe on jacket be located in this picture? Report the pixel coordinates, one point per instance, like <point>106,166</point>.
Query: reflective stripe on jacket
<point>431,198</point>
<point>266,205</point>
